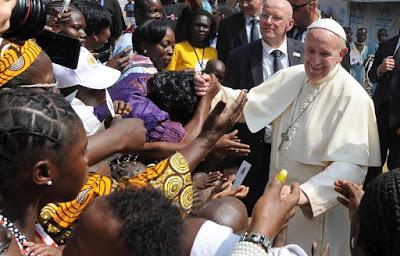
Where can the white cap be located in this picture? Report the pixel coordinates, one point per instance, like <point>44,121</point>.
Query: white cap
<point>89,73</point>
<point>331,25</point>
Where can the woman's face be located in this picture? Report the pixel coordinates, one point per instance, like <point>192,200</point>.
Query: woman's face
<point>75,27</point>
<point>6,7</point>
<point>161,53</point>
<point>200,28</point>
<point>72,172</point>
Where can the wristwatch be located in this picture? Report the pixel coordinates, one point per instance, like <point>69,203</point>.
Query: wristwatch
<point>257,238</point>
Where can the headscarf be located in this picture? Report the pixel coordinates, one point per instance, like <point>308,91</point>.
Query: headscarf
<point>15,59</point>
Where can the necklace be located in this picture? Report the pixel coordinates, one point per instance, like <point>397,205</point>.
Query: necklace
<point>198,59</point>
<point>21,239</point>
<point>285,135</point>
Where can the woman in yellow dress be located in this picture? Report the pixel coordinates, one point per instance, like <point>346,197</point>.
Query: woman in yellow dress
<point>193,53</point>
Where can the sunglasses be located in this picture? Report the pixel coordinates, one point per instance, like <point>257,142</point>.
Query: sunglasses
<point>298,7</point>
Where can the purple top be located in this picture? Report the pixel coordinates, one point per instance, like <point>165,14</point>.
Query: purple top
<point>133,89</point>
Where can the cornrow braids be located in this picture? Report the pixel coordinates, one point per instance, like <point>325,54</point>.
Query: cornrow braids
<point>32,125</point>
<point>379,213</point>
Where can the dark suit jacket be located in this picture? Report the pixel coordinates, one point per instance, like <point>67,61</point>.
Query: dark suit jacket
<point>244,70</point>
<point>382,92</point>
<point>231,34</point>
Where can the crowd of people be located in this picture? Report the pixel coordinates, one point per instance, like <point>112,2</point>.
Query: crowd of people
<point>197,128</point>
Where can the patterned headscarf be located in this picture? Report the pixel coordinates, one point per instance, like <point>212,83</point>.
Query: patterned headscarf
<point>15,59</point>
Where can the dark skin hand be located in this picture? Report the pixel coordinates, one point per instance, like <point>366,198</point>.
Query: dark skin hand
<point>230,145</point>
<point>119,61</point>
<point>275,208</point>
<point>121,108</point>
<point>225,188</point>
<point>162,150</point>
<point>352,195</point>
<point>206,181</point>
<point>36,249</point>
<point>220,120</point>
<point>56,20</point>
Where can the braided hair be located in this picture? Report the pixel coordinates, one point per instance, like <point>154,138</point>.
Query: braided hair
<point>379,213</point>
<point>32,125</point>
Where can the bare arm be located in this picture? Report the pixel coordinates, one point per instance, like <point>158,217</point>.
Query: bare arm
<point>123,136</point>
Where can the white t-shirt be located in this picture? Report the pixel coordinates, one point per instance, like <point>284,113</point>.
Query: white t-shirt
<point>214,239</point>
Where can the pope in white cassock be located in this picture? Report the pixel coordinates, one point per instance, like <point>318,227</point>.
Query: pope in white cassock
<point>324,129</point>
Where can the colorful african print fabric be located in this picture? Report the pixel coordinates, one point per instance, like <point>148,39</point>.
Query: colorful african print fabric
<point>15,59</point>
<point>58,219</point>
<point>171,175</point>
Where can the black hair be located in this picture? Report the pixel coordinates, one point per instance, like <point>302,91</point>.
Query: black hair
<point>150,223</point>
<point>150,32</point>
<point>33,125</point>
<point>213,27</point>
<point>56,5</point>
<point>381,31</point>
<point>379,213</point>
<point>225,10</point>
<point>97,18</point>
<point>174,93</point>
<point>362,28</point>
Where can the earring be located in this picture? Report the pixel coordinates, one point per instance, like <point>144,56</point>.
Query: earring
<point>144,51</point>
<point>49,183</point>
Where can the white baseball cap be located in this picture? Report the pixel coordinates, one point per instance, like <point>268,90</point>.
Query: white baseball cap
<point>89,73</point>
<point>331,25</point>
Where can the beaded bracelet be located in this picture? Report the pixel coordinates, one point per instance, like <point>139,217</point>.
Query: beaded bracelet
<point>245,248</point>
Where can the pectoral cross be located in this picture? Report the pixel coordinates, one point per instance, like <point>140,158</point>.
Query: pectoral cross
<point>284,138</point>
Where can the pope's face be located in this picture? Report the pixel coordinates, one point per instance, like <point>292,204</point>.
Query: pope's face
<point>322,53</point>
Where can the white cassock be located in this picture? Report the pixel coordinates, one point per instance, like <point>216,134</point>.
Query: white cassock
<point>335,137</point>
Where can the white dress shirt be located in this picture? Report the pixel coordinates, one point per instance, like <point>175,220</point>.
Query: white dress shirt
<point>249,24</point>
<point>268,59</point>
<point>268,71</point>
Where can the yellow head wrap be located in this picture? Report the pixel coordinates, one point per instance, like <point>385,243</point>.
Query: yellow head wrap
<point>15,59</point>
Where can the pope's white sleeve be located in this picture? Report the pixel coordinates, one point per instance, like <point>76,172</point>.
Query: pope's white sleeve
<point>320,188</point>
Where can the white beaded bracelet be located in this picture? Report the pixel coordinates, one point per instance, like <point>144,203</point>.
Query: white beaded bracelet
<point>245,248</point>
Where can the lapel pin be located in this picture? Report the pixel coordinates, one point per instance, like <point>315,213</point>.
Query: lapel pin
<point>296,54</point>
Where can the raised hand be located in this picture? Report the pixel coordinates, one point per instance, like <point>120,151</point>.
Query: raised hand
<point>352,195</point>
<point>222,118</point>
<point>273,211</point>
<point>120,61</point>
<point>206,180</point>
<point>229,144</point>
